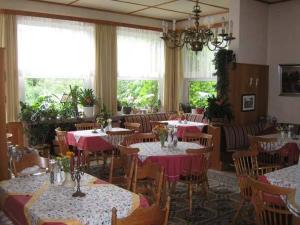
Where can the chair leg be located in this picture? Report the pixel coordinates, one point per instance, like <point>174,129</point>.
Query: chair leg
<point>205,189</point>
<point>242,202</point>
<point>190,194</point>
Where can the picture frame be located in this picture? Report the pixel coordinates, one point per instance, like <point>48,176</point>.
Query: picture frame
<point>248,102</point>
<point>289,79</point>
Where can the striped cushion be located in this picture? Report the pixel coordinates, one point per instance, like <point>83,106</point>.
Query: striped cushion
<point>236,137</point>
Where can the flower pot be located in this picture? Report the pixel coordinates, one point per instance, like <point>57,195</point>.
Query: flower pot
<point>126,109</point>
<point>88,111</point>
<point>68,182</point>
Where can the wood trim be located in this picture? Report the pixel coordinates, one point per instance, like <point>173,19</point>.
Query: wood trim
<point>72,18</point>
<point>271,3</point>
<point>3,140</point>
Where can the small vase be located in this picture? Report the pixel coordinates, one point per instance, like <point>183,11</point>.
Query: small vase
<point>162,140</point>
<point>68,182</point>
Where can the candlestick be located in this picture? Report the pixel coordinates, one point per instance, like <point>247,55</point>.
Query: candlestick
<point>76,175</point>
<point>174,25</point>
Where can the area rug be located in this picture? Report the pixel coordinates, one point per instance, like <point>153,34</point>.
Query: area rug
<point>218,209</point>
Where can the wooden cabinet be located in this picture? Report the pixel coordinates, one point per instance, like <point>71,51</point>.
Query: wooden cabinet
<point>248,79</point>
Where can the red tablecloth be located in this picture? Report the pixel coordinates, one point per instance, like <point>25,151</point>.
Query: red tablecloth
<point>181,130</point>
<point>291,152</point>
<point>92,143</point>
<point>177,165</point>
<point>14,205</point>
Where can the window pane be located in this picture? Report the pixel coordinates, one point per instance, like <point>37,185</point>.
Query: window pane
<point>199,91</point>
<point>35,87</point>
<point>139,93</point>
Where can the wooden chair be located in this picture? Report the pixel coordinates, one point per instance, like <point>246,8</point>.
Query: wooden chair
<point>268,149</point>
<point>246,164</point>
<point>198,137</point>
<point>62,141</point>
<point>132,126</point>
<point>195,172</point>
<point>148,180</point>
<point>117,137</point>
<point>29,160</point>
<point>152,215</point>
<point>86,126</point>
<point>124,165</point>
<point>270,209</point>
<point>139,137</point>
<point>154,123</point>
<point>17,131</point>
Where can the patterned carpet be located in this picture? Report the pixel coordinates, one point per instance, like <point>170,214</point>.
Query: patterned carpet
<point>218,209</point>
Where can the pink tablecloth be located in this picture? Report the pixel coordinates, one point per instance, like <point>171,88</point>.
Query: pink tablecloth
<point>291,152</point>
<point>92,143</point>
<point>192,129</point>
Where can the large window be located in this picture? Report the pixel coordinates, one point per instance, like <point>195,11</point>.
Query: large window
<point>140,66</point>
<point>199,82</point>
<point>52,55</point>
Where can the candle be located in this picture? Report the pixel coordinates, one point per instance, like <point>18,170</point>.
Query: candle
<point>174,25</point>
<point>190,21</point>
<point>231,27</point>
<point>223,24</point>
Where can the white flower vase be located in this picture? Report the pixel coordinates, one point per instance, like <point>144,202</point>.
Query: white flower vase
<point>88,111</point>
<point>68,182</point>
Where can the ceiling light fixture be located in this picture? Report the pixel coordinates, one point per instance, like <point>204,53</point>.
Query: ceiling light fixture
<point>196,37</point>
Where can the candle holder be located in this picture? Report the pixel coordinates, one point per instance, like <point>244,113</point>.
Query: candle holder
<point>76,175</point>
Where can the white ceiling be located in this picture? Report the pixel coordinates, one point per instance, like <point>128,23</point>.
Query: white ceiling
<point>158,9</point>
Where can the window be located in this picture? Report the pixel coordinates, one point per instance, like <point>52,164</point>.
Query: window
<point>199,82</point>
<point>52,55</point>
<point>140,66</point>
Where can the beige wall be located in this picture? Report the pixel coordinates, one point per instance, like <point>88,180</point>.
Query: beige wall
<point>41,7</point>
<point>284,48</point>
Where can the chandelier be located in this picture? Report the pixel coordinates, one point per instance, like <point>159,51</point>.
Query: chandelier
<point>196,37</point>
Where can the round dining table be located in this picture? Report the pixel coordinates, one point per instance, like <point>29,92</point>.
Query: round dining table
<point>172,159</point>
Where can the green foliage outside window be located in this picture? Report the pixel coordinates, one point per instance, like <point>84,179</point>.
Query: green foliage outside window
<point>36,87</point>
<point>138,93</point>
<point>200,91</point>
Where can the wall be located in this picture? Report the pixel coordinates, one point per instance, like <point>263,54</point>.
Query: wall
<point>253,32</point>
<point>283,48</point>
<point>42,7</point>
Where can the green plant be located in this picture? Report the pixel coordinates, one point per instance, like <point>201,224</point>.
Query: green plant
<point>103,115</point>
<point>222,58</point>
<point>74,95</point>
<point>218,108</point>
<point>87,97</point>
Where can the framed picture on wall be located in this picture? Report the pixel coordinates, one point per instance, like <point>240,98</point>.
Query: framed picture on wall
<point>248,102</point>
<point>289,79</point>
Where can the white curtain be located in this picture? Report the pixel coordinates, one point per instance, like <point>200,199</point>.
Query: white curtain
<point>198,66</point>
<point>140,54</point>
<point>51,48</point>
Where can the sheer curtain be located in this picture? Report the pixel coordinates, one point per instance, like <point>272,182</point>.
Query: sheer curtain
<point>140,54</point>
<point>198,66</point>
<point>51,48</point>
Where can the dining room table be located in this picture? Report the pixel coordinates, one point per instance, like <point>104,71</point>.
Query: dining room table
<point>183,126</point>
<point>91,140</point>
<point>173,159</point>
<point>289,147</point>
<point>33,200</point>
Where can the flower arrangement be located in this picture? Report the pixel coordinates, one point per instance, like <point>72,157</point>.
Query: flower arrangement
<point>87,98</point>
<point>65,161</point>
<point>160,130</point>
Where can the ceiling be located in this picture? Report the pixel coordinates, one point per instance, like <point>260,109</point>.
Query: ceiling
<point>272,1</point>
<point>158,9</point>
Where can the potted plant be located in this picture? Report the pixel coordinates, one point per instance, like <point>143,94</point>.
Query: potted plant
<point>127,105</point>
<point>87,99</point>
<point>218,109</point>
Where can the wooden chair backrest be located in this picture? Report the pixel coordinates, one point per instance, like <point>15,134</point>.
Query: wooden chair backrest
<point>269,211</point>
<point>29,160</point>
<point>152,215</point>
<point>17,131</point>
<point>154,123</point>
<point>126,161</point>
<point>86,126</point>
<point>132,126</point>
<point>117,137</point>
<point>155,174</point>
<point>62,141</point>
<point>245,162</point>
<point>139,137</point>
<point>199,137</point>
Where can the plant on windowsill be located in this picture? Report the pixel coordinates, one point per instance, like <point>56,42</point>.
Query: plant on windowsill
<point>127,105</point>
<point>87,99</point>
<point>218,110</point>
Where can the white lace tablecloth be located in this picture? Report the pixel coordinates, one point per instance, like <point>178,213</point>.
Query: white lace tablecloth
<point>148,149</point>
<point>176,123</point>
<point>49,203</point>
<point>288,177</point>
<point>90,133</point>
